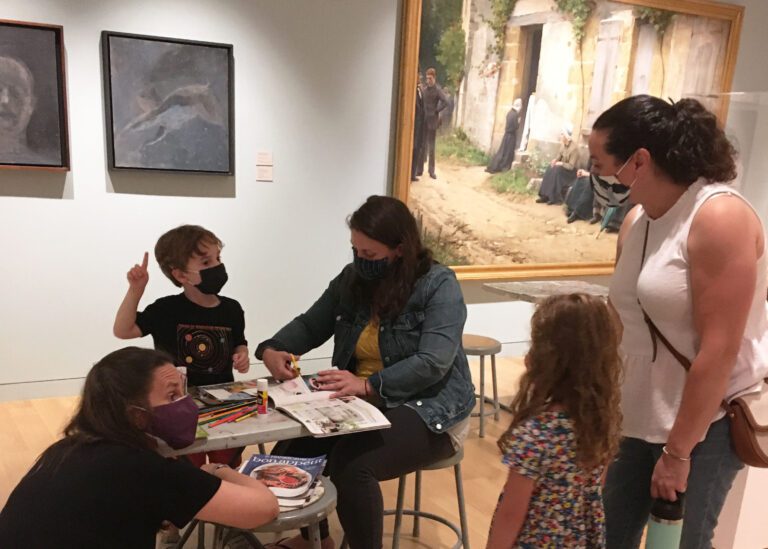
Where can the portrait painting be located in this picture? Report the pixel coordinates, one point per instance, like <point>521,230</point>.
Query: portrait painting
<point>169,104</point>
<point>496,102</point>
<point>33,120</point>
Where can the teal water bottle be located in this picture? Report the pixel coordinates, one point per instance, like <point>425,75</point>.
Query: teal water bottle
<point>665,525</point>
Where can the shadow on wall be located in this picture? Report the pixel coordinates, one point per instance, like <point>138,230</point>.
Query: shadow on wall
<point>170,184</point>
<point>35,184</point>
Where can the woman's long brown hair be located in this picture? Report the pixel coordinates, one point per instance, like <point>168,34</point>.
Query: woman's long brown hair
<point>574,362</point>
<point>118,381</point>
<point>389,221</point>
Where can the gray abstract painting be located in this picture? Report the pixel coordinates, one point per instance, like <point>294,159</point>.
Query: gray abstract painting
<point>32,105</point>
<point>169,104</point>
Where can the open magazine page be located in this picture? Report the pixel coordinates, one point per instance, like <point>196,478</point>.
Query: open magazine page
<point>336,416</point>
<point>286,477</point>
<point>294,390</point>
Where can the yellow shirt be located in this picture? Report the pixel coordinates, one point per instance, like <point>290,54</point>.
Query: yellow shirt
<point>367,351</point>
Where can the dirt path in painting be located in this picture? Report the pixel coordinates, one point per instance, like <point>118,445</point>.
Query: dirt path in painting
<point>491,228</point>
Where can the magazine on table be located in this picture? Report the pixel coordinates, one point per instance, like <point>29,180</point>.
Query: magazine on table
<point>291,479</point>
<point>233,391</point>
<point>322,415</point>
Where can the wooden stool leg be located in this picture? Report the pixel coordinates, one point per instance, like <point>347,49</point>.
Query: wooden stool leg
<point>495,389</point>
<point>462,507</point>
<point>482,396</point>
<point>417,504</point>
<point>399,512</point>
<point>314,535</point>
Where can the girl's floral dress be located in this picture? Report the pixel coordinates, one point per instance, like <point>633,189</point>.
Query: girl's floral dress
<point>566,507</point>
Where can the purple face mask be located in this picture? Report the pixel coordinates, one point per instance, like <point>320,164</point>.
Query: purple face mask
<point>175,423</point>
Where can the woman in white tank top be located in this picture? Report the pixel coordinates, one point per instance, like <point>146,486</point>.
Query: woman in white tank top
<point>692,255</point>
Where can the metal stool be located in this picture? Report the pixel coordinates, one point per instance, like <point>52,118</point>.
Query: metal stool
<point>309,516</point>
<point>462,532</point>
<point>476,345</point>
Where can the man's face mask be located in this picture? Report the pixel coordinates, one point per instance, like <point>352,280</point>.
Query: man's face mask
<point>608,190</point>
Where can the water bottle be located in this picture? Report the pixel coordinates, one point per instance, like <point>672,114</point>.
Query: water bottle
<point>665,525</point>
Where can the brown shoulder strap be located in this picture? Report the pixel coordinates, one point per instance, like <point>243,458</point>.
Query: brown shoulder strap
<point>655,332</point>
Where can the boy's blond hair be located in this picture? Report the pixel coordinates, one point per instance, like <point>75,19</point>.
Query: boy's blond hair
<point>176,247</point>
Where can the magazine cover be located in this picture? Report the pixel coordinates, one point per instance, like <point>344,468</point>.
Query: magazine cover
<point>287,477</point>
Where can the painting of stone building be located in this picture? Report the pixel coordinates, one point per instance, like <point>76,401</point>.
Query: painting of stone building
<point>563,77</point>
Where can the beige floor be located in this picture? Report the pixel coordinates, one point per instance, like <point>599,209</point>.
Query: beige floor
<point>28,427</point>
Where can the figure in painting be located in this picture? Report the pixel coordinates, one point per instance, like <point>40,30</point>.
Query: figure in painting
<point>502,160</point>
<point>417,163</point>
<point>562,170</point>
<point>434,102</point>
<point>17,103</point>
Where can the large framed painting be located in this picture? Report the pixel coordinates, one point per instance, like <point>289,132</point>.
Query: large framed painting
<point>33,104</point>
<point>169,104</point>
<point>496,100</point>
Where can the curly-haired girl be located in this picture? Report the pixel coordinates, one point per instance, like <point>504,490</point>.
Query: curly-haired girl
<point>565,429</point>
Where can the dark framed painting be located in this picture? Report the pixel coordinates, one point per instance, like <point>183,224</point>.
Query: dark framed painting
<point>33,105</point>
<point>169,104</point>
<point>492,94</point>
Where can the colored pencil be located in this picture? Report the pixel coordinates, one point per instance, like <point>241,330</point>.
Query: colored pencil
<point>229,418</point>
<point>223,409</point>
<point>246,416</point>
<point>219,416</point>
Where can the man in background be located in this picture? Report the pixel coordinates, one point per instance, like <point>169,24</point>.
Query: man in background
<point>434,102</point>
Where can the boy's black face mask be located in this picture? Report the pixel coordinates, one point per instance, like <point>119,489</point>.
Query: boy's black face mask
<point>212,280</point>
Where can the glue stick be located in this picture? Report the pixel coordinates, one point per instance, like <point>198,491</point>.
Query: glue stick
<point>261,397</point>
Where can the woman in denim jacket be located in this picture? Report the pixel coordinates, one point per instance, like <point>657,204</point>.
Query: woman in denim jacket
<point>396,318</point>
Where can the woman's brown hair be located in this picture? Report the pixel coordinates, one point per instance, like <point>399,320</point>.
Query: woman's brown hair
<point>574,362</point>
<point>118,381</point>
<point>683,138</point>
<point>389,221</point>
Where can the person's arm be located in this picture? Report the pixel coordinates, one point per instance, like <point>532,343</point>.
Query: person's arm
<point>723,271</point>
<point>510,512</point>
<point>302,334</point>
<point>125,326</point>
<point>240,501</point>
<point>442,100</point>
<point>440,340</point>
<point>240,359</point>
<point>240,356</point>
<point>626,225</point>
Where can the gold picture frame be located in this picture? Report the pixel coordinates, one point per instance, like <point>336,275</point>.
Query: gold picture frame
<point>410,23</point>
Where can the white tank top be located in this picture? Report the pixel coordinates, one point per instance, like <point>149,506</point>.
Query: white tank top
<point>652,389</point>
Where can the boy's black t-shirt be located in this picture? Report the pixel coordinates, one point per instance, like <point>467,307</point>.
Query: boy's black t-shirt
<point>103,495</point>
<point>201,338</point>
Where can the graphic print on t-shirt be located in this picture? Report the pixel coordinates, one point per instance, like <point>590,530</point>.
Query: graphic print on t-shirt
<point>204,349</point>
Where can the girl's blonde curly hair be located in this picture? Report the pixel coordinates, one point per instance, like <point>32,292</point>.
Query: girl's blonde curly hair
<point>574,362</point>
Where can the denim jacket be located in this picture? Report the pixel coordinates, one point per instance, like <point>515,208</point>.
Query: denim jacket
<point>425,367</point>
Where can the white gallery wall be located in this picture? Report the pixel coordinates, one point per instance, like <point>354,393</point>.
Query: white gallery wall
<point>313,85</point>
